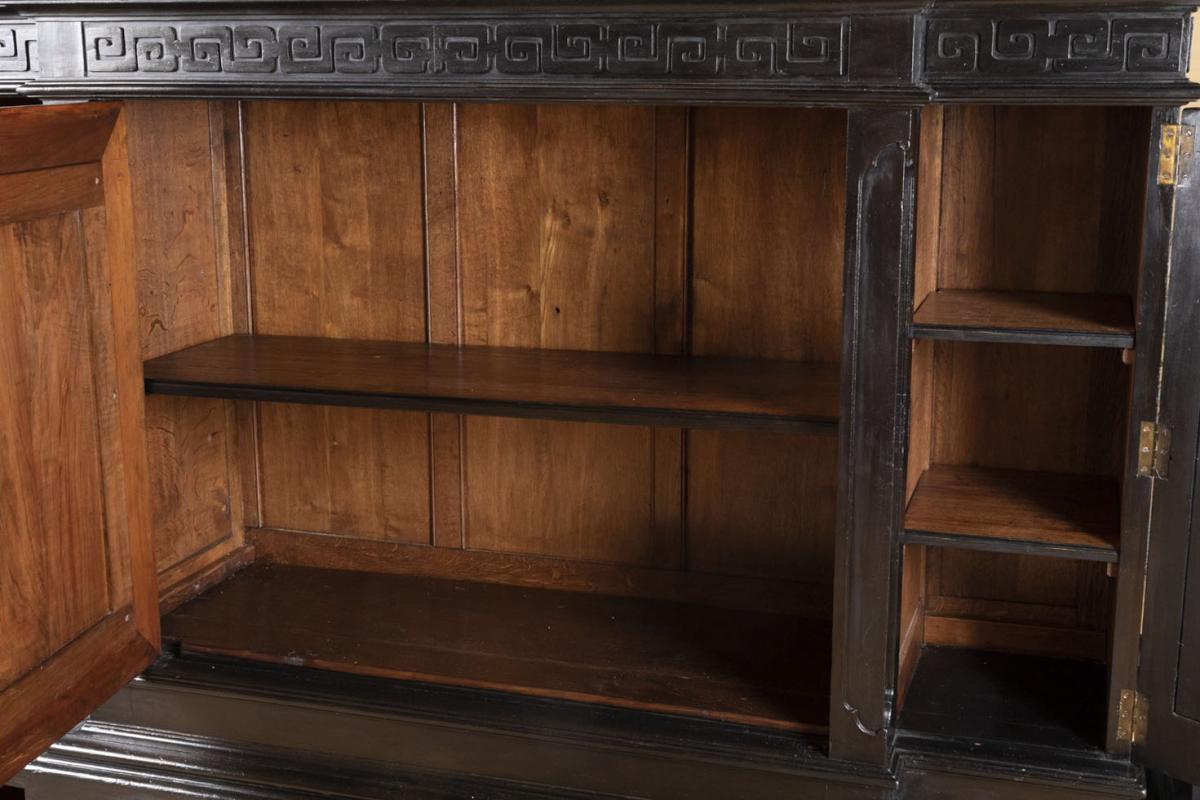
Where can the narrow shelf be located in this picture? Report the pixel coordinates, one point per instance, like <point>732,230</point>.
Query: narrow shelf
<point>1002,698</point>
<point>625,388</point>
<point>1039,513</point>
<point>748,667</point>
<point>1086,320</point>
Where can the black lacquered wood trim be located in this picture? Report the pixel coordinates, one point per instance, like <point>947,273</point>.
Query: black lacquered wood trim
<point>825,53</point>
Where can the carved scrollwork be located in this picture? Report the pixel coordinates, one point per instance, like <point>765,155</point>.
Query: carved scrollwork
<point>661,49</point>
<point>18,47</point>
<point>1076,45</point>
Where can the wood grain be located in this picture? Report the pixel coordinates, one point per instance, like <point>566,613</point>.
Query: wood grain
<point>180,304</point>
<point>42,193</point>
<point>506,381</point>
<point>1037,508</point>
<point>78,135</point>
<point>296,548</point>
<point>335,240</point>
<point>78,586</point>
<point>1029,200</point>
<point>556,248</point>
<point>56,573</point>
<point>767,249</point>
<point>1058,317</point>
<point>764,669</point>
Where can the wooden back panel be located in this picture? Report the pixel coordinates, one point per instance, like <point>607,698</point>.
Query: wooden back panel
<point>605,228</point>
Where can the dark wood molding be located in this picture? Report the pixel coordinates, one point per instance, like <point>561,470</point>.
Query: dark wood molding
<point>824,53</point>
<point>880,198</point>
<point>244,726</point>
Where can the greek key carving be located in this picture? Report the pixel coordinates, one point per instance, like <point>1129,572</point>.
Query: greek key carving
<point>1076,45</point>
<point>18,47</point>
<point>350,47</point>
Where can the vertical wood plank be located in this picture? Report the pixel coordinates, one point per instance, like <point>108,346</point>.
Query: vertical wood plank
<point>672,190</point>
<point>557,250</point>
<point>880,197</point>
<point>767,249</point>
<point>440,140</point>
<point>336,244</point>
<point>180,303</point>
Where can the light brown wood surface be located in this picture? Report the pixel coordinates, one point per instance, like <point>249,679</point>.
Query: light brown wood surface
<point>1024,200</point>
<point>1015,505</point>
<point>334,217</point>
<point>78,588</point>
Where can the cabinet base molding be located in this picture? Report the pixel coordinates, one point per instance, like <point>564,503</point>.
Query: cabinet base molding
<point>218,728</point>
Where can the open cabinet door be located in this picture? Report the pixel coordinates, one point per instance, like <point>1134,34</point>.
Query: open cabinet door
<point>78,605</point>
<point>1169,674</point>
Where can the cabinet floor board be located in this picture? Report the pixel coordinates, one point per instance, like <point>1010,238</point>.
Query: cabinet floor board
<point>627,388</point>
<point>985,697</point>
<point>756,668</point>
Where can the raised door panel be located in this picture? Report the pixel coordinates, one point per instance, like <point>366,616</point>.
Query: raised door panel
<point>78,593</point>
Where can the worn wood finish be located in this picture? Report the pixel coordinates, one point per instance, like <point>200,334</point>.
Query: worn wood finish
<point>78,595</point>
<point>556,246</point>
<point>1034,512</point>
<point>880,197</point>
<point>736,520</point>
<point>336,251</point>
<point>182,288</point>
<point>506,381</point>
<point>296,548</point>
<point>1089,320</point>
<point>753,667</point>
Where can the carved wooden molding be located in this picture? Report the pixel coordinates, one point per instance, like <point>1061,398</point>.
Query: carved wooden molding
<point>381,50</point>
<point>18,47</point>
<point>1004,53</point>
<point>1076,45</point>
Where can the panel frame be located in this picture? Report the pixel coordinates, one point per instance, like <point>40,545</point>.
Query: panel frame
<point>49,700</point>
<point>882,148</point>
<point>1172,742</point>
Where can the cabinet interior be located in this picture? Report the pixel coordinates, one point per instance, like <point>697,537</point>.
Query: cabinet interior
<point>523,524</point>
<point>1028,246</point>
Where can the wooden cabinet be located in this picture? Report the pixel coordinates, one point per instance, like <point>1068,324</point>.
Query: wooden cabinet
<point>842,443</point>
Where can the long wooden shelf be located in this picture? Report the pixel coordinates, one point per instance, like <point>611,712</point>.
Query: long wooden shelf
<point>499,381</point>
<point>740,666</point>
<point>1039,513</point>
<point>1087,320</point>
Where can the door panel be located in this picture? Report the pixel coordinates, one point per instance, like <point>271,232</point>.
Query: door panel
<point>1169,675</point>
<point>78,611</point>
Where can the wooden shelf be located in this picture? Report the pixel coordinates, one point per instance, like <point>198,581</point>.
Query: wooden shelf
<point>1039,513</point>
<point>549,384</point>
<point>740,666</point>
<point>1087,320</point>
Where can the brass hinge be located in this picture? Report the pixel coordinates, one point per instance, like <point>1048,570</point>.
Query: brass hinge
<point>1176,150</point>
<point>1154,450</point>
<point>1132,715</point>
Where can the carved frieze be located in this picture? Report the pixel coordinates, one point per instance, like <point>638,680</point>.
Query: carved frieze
<point>18,47</point>
<point>383,50</point>
<point>1068,45</point>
